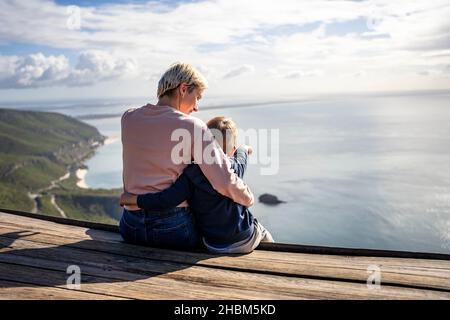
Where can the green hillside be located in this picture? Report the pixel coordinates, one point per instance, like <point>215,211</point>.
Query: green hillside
<point>40,133</point>
<point>38,148</point>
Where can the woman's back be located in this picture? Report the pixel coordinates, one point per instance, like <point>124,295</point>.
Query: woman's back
<point>147,147</point>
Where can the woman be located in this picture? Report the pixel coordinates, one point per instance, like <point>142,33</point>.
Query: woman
<point>152,161</point>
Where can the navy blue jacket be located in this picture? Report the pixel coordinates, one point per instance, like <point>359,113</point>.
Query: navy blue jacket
<point>221,220</point>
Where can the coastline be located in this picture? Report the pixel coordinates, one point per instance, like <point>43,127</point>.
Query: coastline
<point>82,171</point>
<point>54,182</point>
<point>81,176</point>
<point>111,140</point>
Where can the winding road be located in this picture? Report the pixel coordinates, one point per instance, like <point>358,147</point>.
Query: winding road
<point>53,184</point>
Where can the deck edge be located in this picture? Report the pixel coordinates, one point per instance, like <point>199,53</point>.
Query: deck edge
<point>280,247</point>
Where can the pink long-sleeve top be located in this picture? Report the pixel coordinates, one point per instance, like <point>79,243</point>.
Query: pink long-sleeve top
<point>160,141</point>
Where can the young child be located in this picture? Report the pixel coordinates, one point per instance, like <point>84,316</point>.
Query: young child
<point>226,226</point>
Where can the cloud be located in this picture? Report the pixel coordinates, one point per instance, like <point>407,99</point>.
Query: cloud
<point>96,66</point>
<point>38,70</point>
<point>239,71</point>
<point>398,40</point>
<point>35,70</point>
<point>423,73</point>
<point>303,74</point>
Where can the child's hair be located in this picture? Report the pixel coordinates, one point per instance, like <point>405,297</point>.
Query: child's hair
<point>225,131</point>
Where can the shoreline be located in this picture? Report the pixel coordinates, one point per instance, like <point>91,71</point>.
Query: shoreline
<point>110,140</point>
<point>82,172</point>
<point>81,176</point>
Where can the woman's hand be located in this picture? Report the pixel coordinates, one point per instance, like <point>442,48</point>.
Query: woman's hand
<point>127,199</point>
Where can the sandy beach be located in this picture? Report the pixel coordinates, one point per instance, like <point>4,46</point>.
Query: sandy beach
<point>110,140</point>
<point>81,174</point>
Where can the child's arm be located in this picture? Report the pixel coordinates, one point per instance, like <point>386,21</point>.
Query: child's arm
<point>163,200</point>
<point>239,160</point>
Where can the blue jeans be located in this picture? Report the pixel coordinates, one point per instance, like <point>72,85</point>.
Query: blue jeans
<point>174,229</point>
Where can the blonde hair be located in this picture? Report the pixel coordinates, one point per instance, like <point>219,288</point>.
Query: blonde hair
<point>224,128</point>
<point>177,74</point>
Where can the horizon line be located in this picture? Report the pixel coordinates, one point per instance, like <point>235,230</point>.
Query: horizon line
<point>219,96</point>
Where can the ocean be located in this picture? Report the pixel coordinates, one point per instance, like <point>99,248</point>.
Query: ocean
<point>355,171</point>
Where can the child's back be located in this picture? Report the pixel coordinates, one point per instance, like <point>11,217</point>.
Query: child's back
<point>220,220</point>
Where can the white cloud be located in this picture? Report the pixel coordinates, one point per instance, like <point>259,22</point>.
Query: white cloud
<point>32,71</point>
<point>95,66</point>
<point>398,40</point>
<point>37,70</point>
<point>239,71</point>
<point>303,74</point>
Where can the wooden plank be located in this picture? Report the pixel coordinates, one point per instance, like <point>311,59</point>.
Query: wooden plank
<point>31,224</point>
<point>410,272</point>
<point>279,247</point>
<point>148,286</point>
<point>321,262</point>
<point>137,289</point>
<point>85,233</point>
<point>107,267</point>
<point>81,233</point>
<point>61,220</point>
<point>12,291</point>
<point>195,282</point>
<point>353,251</point>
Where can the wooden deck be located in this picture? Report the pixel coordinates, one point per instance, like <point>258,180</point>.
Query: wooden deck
<point>35,255</point>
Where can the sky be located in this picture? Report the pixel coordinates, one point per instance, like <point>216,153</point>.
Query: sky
<point>53,50</point>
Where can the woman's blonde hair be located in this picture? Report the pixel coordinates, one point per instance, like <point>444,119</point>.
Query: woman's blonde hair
<point>176,75</point>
